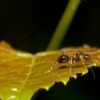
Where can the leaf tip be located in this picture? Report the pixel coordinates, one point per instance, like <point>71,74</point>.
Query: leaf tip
<point>64,81</point>
<point>47,87</point>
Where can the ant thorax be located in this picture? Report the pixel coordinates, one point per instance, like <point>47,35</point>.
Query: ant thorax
<point>79,54</point>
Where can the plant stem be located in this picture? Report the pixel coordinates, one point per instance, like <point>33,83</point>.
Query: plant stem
<point>63,24</point>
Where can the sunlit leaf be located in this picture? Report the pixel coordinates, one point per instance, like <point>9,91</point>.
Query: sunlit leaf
<point>22,73</point>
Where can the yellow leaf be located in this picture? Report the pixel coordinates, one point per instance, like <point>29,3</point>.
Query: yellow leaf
<point>22,73</point>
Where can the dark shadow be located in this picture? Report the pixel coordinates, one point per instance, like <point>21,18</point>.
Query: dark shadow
<point>82,88</point>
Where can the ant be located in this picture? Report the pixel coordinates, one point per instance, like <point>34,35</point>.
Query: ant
<point>64,58</point>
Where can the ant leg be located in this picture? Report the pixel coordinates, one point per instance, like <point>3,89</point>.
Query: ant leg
<point>70,70</point>
<point>88,58</point>
<point>48,71</point>
<point>83,62</point>
<point>53,64</point>
<point>71,61</point>
<point>92,73</point>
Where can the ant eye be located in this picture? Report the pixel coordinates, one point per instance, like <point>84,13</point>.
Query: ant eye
<point>87,57</point>
<point>63,58</point>
<point>79,53</point>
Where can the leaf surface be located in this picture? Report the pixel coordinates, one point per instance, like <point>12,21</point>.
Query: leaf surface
<point>22,73</point>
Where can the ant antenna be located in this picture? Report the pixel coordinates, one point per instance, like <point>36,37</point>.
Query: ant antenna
<point>63,58</point>
<point>92,73</point>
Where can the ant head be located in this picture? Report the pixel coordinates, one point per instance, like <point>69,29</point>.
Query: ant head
<point>63,58</point>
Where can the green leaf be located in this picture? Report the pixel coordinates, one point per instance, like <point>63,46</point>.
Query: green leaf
<point>22,73</point>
